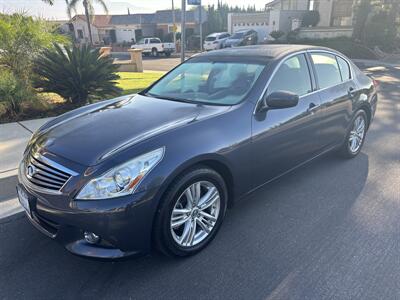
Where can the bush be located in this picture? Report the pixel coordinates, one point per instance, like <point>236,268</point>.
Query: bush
<point>22,38</point>
<point>277,34</point>
<point>12,92</point>
<point>310,18</point>
<point>79,75</point>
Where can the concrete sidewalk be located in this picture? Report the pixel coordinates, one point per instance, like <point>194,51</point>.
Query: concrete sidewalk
<point>13,139</point>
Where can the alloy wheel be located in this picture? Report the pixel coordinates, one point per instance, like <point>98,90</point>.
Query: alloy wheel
<point>195,213</point>
<point>356,136</point>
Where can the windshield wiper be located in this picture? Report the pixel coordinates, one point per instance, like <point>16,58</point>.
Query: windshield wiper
<point>169,98</point>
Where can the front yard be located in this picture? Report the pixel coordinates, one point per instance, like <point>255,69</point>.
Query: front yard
<point>48,105</point>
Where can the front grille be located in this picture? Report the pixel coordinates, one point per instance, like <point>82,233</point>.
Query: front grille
<point>45,174</point>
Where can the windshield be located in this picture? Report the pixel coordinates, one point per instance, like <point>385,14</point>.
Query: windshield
<point>237,35</point>
<point>210,38</point>
<point>221,83</point>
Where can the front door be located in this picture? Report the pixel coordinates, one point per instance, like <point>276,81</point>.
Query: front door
<point>284,138</point>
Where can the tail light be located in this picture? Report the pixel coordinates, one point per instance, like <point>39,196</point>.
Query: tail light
<point>162,45</point>
<point>375,82</point>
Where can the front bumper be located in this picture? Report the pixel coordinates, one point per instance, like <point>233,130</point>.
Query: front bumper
<point>124,224</point>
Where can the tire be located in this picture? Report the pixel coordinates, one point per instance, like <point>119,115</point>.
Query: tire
<point>348,150</point>
<point>154,52</point>
<point>179,241</point>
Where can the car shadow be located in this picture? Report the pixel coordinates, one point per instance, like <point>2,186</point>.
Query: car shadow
<point>266,238</point>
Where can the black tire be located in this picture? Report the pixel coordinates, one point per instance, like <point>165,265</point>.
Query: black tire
<point>154,52</point>
<point>162,235</point>
<point>345,149</point>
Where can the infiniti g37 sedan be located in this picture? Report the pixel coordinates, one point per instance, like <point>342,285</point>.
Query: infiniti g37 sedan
<point>159,169</point>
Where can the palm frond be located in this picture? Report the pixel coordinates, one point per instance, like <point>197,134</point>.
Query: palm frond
<point>103,4</point>
<point>78,74</point>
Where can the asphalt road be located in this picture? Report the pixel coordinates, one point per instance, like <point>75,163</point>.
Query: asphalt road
<point>330,230</point>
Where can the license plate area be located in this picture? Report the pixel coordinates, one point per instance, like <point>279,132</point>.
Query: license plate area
<point>24,199</point>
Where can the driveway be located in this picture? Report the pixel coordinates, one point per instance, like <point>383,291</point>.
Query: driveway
<point>329,230</point>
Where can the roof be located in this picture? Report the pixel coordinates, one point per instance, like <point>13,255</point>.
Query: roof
<point>98,20</point>
<point>266,52</point>
<point>132,19</point>
<point>165,16</point>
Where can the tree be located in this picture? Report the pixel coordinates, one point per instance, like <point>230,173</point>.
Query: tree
<point>79,75</point>
<point>310,18</point>
<point>361,13</point>
<point>89,11</point>
<point>277,34</point>
<point>22,38</point>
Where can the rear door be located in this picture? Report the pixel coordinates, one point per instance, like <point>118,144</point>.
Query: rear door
<point>336,90</point>
<point>284,138</point>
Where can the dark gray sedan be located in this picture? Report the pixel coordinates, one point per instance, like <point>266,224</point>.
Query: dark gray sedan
<point>159,169</point>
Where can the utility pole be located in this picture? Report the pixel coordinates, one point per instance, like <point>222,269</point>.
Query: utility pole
<point>201,28</point>
<point>183,29</point>
<point>173,21</point>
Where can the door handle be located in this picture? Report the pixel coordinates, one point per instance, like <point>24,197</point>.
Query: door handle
<point>351,92</point>
<point>312,107</point>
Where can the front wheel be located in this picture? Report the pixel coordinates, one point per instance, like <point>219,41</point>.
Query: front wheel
<point>355,135</point>
<point>192,211</point>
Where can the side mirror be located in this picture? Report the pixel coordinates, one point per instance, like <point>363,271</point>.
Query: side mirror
<point>280,99</point>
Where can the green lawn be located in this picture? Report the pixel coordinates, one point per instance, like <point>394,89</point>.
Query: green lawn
<point>135,82</point>
<point>49,104</point>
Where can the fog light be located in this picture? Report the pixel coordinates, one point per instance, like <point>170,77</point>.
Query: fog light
<point>91,237</point>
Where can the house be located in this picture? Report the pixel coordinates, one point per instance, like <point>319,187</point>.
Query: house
<point>286,15</point>
<point>109,29</point>
<point>100,28</point>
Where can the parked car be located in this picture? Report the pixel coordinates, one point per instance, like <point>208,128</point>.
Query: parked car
<point>242,37</point>
<point>160,168</point>
<point>215,41</point>
<point>153,46</point>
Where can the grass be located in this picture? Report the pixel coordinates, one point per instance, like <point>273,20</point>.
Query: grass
<point>49,105</point>
<point>135,82</point>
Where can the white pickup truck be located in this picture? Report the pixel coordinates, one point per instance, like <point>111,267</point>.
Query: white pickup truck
<point>154,46</point>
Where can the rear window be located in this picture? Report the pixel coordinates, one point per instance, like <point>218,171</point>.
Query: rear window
<point>344,68</point>
<point>327,69</point>
<point>210,38</point>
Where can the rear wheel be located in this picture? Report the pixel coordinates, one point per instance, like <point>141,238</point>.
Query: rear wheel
<point>355,136</point>
<point>192,212</point>
<point>154,52</point>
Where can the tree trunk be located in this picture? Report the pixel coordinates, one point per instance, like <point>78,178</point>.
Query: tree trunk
<point>85,5</point>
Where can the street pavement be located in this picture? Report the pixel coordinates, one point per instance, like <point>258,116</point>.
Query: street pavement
<point>329,230</point>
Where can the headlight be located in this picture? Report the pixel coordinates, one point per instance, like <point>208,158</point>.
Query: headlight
<point>121,180</point>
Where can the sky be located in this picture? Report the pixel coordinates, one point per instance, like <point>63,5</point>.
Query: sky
<point>58,10</point>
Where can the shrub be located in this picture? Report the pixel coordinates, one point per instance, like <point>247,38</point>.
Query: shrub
<point>79,75</point>
<point>22,38</point>
<point>12,92</point>
<point>277,34</point>
<point>310,18</point>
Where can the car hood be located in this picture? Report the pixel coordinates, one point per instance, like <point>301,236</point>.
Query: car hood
<point>91,135</point>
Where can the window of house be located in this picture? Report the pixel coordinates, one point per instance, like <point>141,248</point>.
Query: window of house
<point>292,76</point>
<point>327,69</point>
<point>344,68</point>
<point>80,34</point>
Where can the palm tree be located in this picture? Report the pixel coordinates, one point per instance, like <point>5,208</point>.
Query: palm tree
<point>89,11</point>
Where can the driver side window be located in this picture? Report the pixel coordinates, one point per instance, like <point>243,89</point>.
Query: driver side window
<point>292,76</point>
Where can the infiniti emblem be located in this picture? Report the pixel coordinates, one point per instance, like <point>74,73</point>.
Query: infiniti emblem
<point>30,171</point>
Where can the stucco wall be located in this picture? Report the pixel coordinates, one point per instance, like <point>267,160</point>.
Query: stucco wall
<point>320,33</point>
